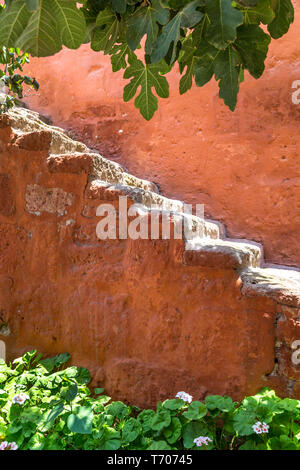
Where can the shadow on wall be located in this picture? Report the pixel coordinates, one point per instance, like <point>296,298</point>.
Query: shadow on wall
<point>243,166</point>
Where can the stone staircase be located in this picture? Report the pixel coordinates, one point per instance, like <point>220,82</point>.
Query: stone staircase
<point>207,246</point>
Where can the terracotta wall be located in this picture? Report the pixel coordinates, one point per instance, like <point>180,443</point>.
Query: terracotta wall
<point>144,323</point>
<point>244,166</point>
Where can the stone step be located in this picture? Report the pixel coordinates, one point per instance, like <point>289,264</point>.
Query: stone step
<point>151,202</point>
<point>23,121</point>
<point>280,283</point>
<point>67,155</point>
<point>97,168</point>
<point>223,254</point>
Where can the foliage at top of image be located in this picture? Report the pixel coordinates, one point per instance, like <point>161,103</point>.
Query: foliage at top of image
<point>207,38</point>
<point>45,405</point>
<point>13,60</point>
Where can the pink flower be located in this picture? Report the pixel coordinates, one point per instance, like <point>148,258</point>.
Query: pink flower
<point>13,446</point>
<point>184,396</point>
<point>260,428</point>
<point>3,445</point>
<point>202,440</point>
<point>8,446</point>
<point>20,398</point>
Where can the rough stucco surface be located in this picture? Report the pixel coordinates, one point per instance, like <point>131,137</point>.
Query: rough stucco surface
<point>243,166</point>
<point>146,323</point>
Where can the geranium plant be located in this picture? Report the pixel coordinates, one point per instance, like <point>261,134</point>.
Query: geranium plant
<point>46,405</point>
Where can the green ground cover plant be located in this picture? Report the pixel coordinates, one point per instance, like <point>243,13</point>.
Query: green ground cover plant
<point>46,405</point>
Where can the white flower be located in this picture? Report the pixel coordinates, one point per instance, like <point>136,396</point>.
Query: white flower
<point>12,446</point>
<point>2,391</point>
<point>265,427</point>
<point>8,446</point>
<point>3,445</point>
<point>184,396</point>
<point>20,398</point>
<point>260,428</point>
<point>202,440</point>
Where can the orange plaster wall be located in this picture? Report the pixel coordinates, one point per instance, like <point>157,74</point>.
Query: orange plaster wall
<point>145,324</point>
<point>244,166</point>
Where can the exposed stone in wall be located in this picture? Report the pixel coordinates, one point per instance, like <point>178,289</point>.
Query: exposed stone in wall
<point>143,320</point>
<point>53,200</point>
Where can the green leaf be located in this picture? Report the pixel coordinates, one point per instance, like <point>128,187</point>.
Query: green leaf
<point>260,13</point>
<point>112,444</point>
<point>186,59</point>
<point>241,75</point>
<point>199,61</point>
<point>243,422</point>
<point>199,32</point>
<point>224,20</point>
<point>227,72</point>
<point>70,373</point>
<point>81,422</point>
<point>248,445</point>
<point>37,442</point>
<point>119,5</point>
<point>143,21</point>
<point>284,16</point>
<point>131,430</point>
<point>196,410</point>
<point>223,404</point>
<point>53,442</point>
<point>32,4</point>
<point>205,62</point>
<point>107,31</point>
<point>190,16</point>
<point>61,359</point>
<point>119,56</point>
<point>41,37</point>
<point>117,409</point>
<point>176,4</point>
<point>83,376</point>
<point>173,432</point>
<point>186,18</point>
<point>174,404</point>
<point>145,418</point>
<point>252,44</point>
<point>71,393</point>
<point>146,76</point>
<point>14,412</point>
<point>55,412</point>
<point>14,427</point>
<point>159,445</point>
<point>71,23</point>
<point>289,404</point>
<point>191,431</point>
<point>13,21</point>
<point>161,420</point>
<point>103,399</point>
<point>54,362</point>
<point>247,3</point>
<point>32,414</point>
